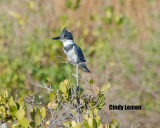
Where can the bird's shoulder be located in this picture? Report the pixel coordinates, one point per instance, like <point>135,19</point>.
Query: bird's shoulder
<point>79,53</point>
<point>76,47</point>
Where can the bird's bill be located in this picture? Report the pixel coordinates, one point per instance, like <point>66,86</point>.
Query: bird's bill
<point>56,38</point>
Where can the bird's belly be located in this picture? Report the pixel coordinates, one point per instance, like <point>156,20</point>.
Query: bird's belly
<point>72,56</point>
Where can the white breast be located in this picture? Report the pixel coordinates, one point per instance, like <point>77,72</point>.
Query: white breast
<point>72,56</point>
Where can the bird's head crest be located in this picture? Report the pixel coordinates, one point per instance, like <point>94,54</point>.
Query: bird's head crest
<point>66,34</point>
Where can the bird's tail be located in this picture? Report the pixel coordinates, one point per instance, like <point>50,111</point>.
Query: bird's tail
<point>84,67</point>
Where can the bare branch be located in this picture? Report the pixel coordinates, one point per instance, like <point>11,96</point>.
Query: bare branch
<point>43,85</point>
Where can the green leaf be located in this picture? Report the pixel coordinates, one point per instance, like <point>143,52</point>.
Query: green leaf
<point>20,114</point>
<point>97,118</point>
<point>6,93</point>
<point>37,118</point>
<point>62,87</point>
<point>74,112</point>
<point>105,88</point>
<point>32,124</point>
<point>101,126</point>
<point>90,122</point>
<point>13,110</point>
<point>24,122</point>
<point>85,124</point>
<point>101,106</point>
<point>43,113</point>
<point>2,110</point>
<point>100,101</point>
<point>94,123</point>
<point>78,125</point>
<point>114,123</point>
<point>33,113</point>
<point>73,123</point>
<point>15,126</point>
<point>52,95</point>
<point>21,101</point>
<point>91,82</point>
<point>12,102</point>
<point>95,111</point>
<point>66,124</point>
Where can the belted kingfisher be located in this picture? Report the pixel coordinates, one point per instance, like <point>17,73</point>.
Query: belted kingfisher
<point>73,51</point>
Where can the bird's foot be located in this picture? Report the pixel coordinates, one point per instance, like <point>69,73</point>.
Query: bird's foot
<point>72,63</point>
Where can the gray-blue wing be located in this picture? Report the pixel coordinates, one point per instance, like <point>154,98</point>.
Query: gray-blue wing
<point>79,53</point>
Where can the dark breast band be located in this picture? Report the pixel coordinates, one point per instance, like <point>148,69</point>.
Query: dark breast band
<point>68,47</point>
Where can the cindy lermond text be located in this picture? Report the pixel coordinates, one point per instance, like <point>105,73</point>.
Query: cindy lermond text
<point>125,107</point>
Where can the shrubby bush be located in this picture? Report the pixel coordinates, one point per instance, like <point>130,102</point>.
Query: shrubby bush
<point>67,107</point>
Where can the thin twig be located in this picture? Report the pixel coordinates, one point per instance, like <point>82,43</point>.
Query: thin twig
<point>43,86</point>
<point>77,89</point>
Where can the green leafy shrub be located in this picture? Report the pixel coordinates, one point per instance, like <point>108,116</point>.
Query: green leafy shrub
<point>61,102</point>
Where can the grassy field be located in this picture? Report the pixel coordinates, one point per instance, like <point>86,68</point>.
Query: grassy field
<point>120,40</point>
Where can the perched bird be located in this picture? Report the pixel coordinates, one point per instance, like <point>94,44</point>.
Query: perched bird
<point>73,51</point>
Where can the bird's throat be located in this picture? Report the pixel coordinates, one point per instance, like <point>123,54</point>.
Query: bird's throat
<point>67,42</point>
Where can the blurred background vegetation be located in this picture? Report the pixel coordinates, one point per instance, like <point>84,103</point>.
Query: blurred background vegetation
<point>120,40</point>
